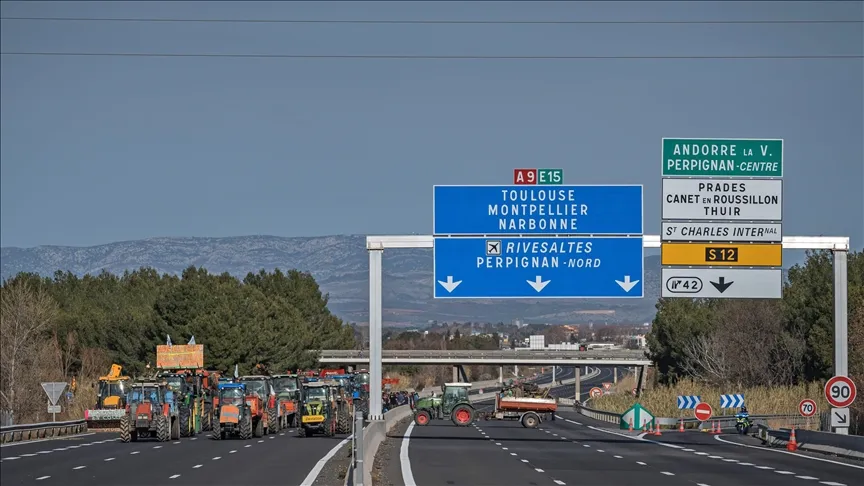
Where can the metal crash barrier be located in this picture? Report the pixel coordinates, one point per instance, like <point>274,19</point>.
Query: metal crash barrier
<point>44,430</point>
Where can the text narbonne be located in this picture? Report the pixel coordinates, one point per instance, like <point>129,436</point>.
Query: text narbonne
<point>544,209</point>
<point>542,254</point>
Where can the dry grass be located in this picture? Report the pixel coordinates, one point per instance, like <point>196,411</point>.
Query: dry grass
<point>662,400</point>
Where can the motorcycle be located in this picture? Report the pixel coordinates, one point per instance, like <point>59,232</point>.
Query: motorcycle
<point>743,423</point>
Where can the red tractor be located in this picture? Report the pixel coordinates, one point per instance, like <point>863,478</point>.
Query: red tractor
<point>262,400</point>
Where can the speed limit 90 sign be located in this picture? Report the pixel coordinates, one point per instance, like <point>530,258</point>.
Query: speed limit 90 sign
<point>840,391</point>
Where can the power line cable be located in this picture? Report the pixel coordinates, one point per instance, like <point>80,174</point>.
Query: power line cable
<point>420,57</point>
<point>435,22</point>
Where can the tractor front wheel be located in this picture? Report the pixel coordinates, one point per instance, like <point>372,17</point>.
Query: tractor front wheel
<point>175,428</point>
<point>216,431</point>
<point>272,420</point>
<point>245,427</point>
<point>163,433</point>
<point>422,417</point>
<point>462,415</point>
<point>184,422</point>
<point>125,429</point>
<point>259,428</point>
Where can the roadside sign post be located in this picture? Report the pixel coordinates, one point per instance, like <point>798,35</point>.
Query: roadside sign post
<point>840,391</point>
<point>807,409</point>
<point>54,390</point>
<point>710,188</point>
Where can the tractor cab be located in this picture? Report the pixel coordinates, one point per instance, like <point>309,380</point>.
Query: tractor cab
<point>260,386</point>
<point>232,394</point>
<point>316,412</point>
<point>453,394</point>
<point>286,386</point>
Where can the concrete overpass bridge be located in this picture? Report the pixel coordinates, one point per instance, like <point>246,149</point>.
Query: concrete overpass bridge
<point>524,357</point>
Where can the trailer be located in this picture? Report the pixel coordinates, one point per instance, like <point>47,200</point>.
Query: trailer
<point>527,410</point>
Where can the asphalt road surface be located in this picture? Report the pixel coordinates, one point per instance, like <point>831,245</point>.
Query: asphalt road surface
<point>100,458</point>
<point>576,450</point>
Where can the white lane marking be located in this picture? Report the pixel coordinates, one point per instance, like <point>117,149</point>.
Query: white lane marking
<point>133,453</point>
<point>667,473</point>
<point>555,435</point>
<point>730,460</point>
<point>498,443</point>
<point>764,467</point>
<point>28,455</point>
<point>404,460</point>
<point>61,449</point>
<point>109,459</point>
<point>13,444</point>
<point>600,450</point>
<point>618,457</point>
<point>216,458</point>
<point>175,443</point>
<point>524,460</point>
<point>539,470</point>
<point>512,453</point>
<point>44,452</point>
<point>78,467</point>
<point>784,472</point>
<point>831,483</point>
<point>745,463</point>
<point>248,445</point>
<point>585,445</point>
<point>282,433</point>
<point>715,457</point>
<point>641,463</point>
<point>232,452</point>
<point>701,453</point>
<point>260,441</point>
<point>806,477</point>
<point>194,438</point>
<point>701,484</point>
<point>10,458</point>
<point>157,447</point>
<point>558,481</point>
<point>316,470</point>
<point>687,450</point>
<point>791,454</point>
<point>504,448</point>
<point>272,437</point>
<point>196,466</point>
<point>174,476</point>
<point>43,477</point>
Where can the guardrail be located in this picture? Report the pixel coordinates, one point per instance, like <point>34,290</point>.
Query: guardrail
<point>724,421</point>
<point>44,430</point>
<point>366,441</point>
<point>851,446</point>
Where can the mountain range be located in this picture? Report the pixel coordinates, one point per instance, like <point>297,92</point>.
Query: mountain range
<point>340,264</point>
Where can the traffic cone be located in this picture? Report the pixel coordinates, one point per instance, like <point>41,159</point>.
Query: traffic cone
<point>657,429</point>
<point>631,425</point>
<point>792,445</point>
<point>681,426</point>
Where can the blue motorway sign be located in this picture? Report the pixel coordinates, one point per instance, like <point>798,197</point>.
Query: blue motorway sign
<point>538,267</point>
<point>537,210</point>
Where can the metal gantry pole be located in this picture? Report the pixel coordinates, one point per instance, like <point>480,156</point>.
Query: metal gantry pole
<point>359,464</point>
<point>375,331</point>
<point>841,320</point>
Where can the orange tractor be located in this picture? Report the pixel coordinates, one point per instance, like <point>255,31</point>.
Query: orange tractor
<point>261,399</point>
<point>287,389</point>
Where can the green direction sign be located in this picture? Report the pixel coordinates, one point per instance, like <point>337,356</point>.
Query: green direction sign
<point>550,176</point>
<point>707,157</point>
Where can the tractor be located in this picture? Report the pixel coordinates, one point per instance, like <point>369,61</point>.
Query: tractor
<point>360,392</point>
<point>453,403</point>
<point>187,399</point>
<point>288,393</point>
<point>261,398</point>
<point>233,416</point>
<point>317,410</point>
<point>110,400</point>
<point>150,412</point>
<point>342,408</point>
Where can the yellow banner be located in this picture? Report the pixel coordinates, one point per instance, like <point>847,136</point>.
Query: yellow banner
<point>722,254</point>
<point>312,418</point>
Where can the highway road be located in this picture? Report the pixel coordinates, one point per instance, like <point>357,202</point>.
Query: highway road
<point>576,450</point>
<point>99,458</point>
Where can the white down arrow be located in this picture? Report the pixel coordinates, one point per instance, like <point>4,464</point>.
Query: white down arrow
<point>627,284</point>
<point>538,284</point>
<point>449,285</point>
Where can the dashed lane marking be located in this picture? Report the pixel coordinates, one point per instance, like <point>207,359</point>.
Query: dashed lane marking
<point>600,450</point>
<point>11,458</point>
<point>539,470</point>
<point>784,472</point>
<point>260,441</point>
<point>715,457</point>
<point>174,476</point>
<point>513,454</point>
<point>196,466</point>
<point>831,483</point>
<point>618,457</point>
<point>717,437</point>
<point>43,477</point>
<point>807,477</point>
<point>28,455</point>
<point>248,445</point>
<point>78,467</point>
<point>641,463</point>
<point>667,473</point>
<point>216,458</point>
<point>157,447</point>
<point>175,443</point>
<point>558,481</point>
<point>524,460</point>
<point>109,459</point>
<point>764,467</point>
<point>232,452</point>
<point>687,450</point>
<point>133,453</point>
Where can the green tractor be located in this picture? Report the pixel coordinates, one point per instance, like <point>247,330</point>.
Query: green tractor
<point>453,403</point>
<point>189,400</point>
<point>317,412</point>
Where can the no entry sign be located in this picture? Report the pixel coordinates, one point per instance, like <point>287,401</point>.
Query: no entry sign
<point>703,411</point>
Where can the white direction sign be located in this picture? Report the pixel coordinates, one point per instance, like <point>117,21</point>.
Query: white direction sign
<point>717,283</point>
<point>839,417</point>
<point>723,199</point>
<point>722,232</point>
<point>54,409</point>
<point>54,389</point>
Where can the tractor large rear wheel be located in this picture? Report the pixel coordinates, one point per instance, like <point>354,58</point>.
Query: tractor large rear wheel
<point>185,429</point>
<point>207,417</point>
<point>216,431</point>
<point>125,429</point>
<point>344,424</point>
<point>175,428</point>
<point>462,415</point>
<point>246,427</point>
<point>258,427</point>
<point>272,420</point>
<point>162,430</point>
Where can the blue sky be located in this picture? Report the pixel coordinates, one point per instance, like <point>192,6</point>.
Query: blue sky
<point>102,149</point>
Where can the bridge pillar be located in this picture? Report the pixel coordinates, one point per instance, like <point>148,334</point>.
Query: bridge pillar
<point>554,370</point>
<point>501,375</point>
<point>516,371</point>
<point>614,374</point>
<point>455,373</point>
<point>578,382</point>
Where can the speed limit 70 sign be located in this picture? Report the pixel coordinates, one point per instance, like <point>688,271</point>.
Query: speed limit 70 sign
<point>840,391</point>
<point>807,408</point>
